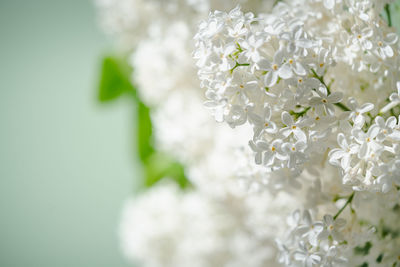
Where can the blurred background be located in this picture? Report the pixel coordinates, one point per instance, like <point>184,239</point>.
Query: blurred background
<point>66,160</point>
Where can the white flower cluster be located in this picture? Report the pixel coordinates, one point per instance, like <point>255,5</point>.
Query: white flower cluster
<point>132,20</point>
<point>296,76</point>
<point>332,241</point>
<point>313,242</point>
<point>370,160</point>
<point>272,71</point>
<point>167,227</point>
<point>309,94</point>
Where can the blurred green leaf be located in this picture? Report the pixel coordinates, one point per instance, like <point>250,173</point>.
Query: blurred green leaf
<point>114,79</point>
<point>391,14</point>
<point>159,166</point>
<point>144,132</point>
<point>363,250</point>
<point>396,15</point>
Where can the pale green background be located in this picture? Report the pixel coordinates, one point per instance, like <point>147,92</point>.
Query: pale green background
<point>66,162</point>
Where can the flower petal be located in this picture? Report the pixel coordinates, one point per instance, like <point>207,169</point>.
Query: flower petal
<point>271,78</point>
<point>286,118</point>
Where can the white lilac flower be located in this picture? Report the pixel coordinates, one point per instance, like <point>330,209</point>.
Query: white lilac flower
<point>237,115</point>
<point>312,243</point>
<point>284,256</point>
<point>294,153</point>
<point>386,128</point>
<point>325,100</point>
<point>333,258</point>
<point>306,257</point>
<point>333,228</point>
<point>275,69</point>
<point>291,67</point>
<point>342,156</point>
<point>310,229</point>
<point>394,101</point>
<point>384,44</point>
<point>264,124</point>
<point>356,114</point>
<point>323,59</point>
<point>389,178</point>
<point>251,46</point>
<point>259,148</point>
<point>297,43</point>
<point>293,127</point>
<point>273,153</point>
<point>367,141</point>
<point>241,88</point>
<point>329,4</point>
<point>362,36</point>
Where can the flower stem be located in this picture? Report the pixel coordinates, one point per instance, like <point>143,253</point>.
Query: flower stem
<point>349,200</point>
<point>321,79</point>
<point>342,106</point>
<point>299,114</point>
<point>238,65</point>
<point>389,17</point>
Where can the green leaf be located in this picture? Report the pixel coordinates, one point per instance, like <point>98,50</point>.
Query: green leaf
<point>115,79</point>
<point>363,250</point>
<point>159,166</point>
<point>144,132</point>
<point>379,259</point>
<point>114,82</point>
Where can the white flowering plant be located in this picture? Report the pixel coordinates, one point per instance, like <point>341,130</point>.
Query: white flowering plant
<point>269,131</point>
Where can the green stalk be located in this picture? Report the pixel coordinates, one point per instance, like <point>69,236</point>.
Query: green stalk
<point>343,107</point>
<point>321,79</point>
<point>349,200</point>
<point>389,17</point>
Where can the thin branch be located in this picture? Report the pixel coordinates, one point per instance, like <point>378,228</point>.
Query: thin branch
<point>389,17</point>
<point>342,106</point>
<point>321,79</point>
<point>349,200</point>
